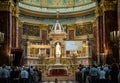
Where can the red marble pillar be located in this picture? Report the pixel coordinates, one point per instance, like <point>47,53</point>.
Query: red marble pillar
<point>109,24</point>
<point>71,32</point>
<point>119,15</point>
<point>119,25</point>
<point>20,24</point>
<point>94,50</point>
<point>6,28</point>
<point>14,24</point>
<point>44,36</point>
<point>99,35</point>
<point>8,25</point>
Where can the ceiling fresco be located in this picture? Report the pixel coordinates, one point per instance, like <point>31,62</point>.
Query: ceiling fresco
<point>51,6</point>
<point>56,3</point>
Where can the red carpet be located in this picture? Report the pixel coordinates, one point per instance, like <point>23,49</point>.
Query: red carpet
<point>50,75</point>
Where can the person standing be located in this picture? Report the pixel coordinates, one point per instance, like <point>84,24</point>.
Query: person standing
<point>114,73</point>
<point>101,75</point>
<point>94,74</point>
<point>24,75</point>
<point>4,74</point>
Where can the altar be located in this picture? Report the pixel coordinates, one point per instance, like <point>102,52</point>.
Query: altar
<point>60,58</point>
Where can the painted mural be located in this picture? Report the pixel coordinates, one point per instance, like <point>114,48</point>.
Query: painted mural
<point>31,30</point>
<point>56,3</point>
<point>83,29</point>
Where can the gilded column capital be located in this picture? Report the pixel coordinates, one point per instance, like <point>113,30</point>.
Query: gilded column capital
<point>94,23</point>
<point>44,27</point>
<point>71,27</point>
<point>20,24</point>
<point>108,5</point>
<point>15,12</point>
<point>98,11</point>
<point>6,6</point>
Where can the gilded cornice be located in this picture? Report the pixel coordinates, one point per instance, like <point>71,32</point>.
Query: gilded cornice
<point>98,11</point>
<point>41,26</point>
<point>15,12</point>
<point>9,6</point>
<point>71,27</point>
<point>44,27</point>
<point>20,24</point>
<point>53,15</point>
<point>31,24</point>
<point>108,5</point>
<point>6,6</point>
<point>94,23</point>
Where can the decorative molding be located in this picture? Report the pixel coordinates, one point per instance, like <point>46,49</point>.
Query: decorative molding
<point>94,23</point>
<point>53,15</point>
<point>20,24</point>
<point>98,11</point>
<point>6,6</point>
<point>15,12</point>
<point>10,7</point>
<point>44,27</point>
<point>71,27</point>
<point>108,6</point>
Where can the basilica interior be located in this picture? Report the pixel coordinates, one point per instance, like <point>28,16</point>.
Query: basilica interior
<point>87,31</point>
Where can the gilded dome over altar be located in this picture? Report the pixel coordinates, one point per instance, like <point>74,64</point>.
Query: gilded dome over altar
<point>50,6</point>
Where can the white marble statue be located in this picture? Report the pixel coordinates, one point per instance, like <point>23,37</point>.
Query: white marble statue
<point>58,50</point>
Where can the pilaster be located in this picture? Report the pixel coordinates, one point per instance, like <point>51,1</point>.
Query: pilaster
<point>71,29</point>
<point>109,9</point>
<point>44,29</point>
<point>99,38</point>
<point>9,18</point>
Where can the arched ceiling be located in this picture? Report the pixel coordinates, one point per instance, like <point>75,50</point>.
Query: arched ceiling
<point>49,7</point>
<point>56,3</point>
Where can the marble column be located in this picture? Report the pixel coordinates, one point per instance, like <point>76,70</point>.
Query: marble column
<point>99,32</point>
<point>71,32</point>
<point>44,29</point>
<point>20,24</point>
<point>119,15</point>
<point>109,24</point>
<point>6,11</point>
<point>94,49</point>
<point>119,25</point>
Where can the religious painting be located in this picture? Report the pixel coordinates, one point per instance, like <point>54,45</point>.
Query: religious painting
<point>30,30</point>
<point>83,29</point>
<point>75,47</point>
<point>78,30</point>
